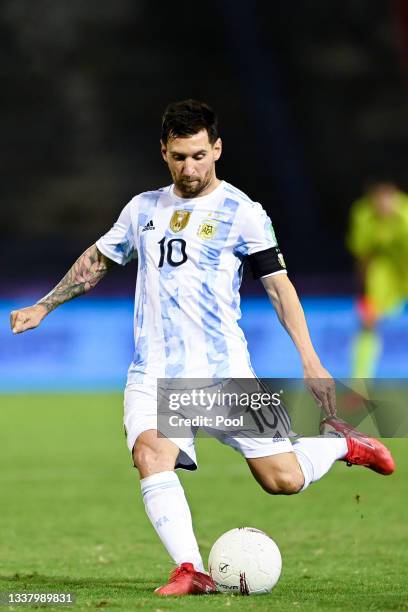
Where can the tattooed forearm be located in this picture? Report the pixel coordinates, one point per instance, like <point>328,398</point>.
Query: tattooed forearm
<point>86,272</point>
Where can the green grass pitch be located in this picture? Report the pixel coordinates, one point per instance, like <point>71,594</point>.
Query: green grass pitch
<point>72,518</point>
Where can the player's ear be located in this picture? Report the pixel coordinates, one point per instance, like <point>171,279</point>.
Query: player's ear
<point>217,148</point>
<point>163,149</point>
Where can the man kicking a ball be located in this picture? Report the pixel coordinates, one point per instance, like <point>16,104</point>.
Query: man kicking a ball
<point>191,240</point>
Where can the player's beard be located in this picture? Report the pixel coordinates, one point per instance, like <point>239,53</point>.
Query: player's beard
<point>192,188</point>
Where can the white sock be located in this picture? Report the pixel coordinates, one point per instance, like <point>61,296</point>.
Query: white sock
<point>168,510</point>
<point>317,455</point>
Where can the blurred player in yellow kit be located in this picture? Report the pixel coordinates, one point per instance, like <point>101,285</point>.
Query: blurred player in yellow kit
<point>378,239</point>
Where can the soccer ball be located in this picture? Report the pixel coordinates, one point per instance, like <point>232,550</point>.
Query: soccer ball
<point>245,561</point>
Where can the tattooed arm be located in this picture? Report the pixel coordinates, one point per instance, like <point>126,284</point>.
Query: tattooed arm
<point>86,272</point>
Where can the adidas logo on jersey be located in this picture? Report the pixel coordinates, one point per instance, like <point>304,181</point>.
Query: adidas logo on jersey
<point>148,226</point>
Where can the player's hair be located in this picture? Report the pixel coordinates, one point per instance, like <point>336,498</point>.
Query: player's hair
<point>188,117</point>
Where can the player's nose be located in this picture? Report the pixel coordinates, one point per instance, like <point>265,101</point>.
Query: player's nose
<point>188,168</point>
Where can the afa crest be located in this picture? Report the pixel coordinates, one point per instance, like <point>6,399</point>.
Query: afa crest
<point>207,230</point>
<point>179,220</point>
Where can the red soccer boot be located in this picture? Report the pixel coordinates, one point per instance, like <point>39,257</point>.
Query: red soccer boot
<point>185,580</point>
<point>362,450</point>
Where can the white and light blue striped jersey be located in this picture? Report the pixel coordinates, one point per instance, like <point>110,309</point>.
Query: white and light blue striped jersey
<point>190,260</point>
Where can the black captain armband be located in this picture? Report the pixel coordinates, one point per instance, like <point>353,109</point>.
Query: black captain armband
<point>266,262</point>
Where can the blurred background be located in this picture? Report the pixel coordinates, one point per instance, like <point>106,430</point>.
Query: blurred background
<point>312,104</point>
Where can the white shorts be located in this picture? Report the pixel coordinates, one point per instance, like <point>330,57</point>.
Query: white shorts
<point>140,414</point>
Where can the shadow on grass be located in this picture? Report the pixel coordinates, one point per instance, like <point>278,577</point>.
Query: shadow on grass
<point>67,582</point>
<point>95,593</point>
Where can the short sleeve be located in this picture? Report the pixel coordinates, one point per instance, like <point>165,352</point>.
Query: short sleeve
<point>256,233</point>
<point>257,242</point>
<point>119,243</point>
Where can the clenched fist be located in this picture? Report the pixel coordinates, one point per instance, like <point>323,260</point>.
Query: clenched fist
<point>27,318</point>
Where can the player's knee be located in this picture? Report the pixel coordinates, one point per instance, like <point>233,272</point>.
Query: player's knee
<point>284,482</point>
<point>150,460</point>
<point>142,455</point>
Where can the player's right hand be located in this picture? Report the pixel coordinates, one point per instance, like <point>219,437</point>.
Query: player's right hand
<point>27,318</point>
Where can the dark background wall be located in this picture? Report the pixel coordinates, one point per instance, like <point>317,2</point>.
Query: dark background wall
<point>311,97</point>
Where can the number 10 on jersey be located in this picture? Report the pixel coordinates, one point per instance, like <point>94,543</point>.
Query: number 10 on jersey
<point>173,251</point>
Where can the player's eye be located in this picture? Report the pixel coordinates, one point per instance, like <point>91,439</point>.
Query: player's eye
<point>200,156</point>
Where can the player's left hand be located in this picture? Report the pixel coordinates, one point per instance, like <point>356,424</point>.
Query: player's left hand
<point>322,386</point>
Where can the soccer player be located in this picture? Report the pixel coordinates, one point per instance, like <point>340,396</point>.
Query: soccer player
<point>191,239</point>
<point>378,239</point>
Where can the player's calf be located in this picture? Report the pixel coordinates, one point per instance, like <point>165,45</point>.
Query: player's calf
<point>278,474</point>
<point>283,483</point>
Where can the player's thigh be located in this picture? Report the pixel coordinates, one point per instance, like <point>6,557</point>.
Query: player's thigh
<point>278,473</point>
<point>152,452</point>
